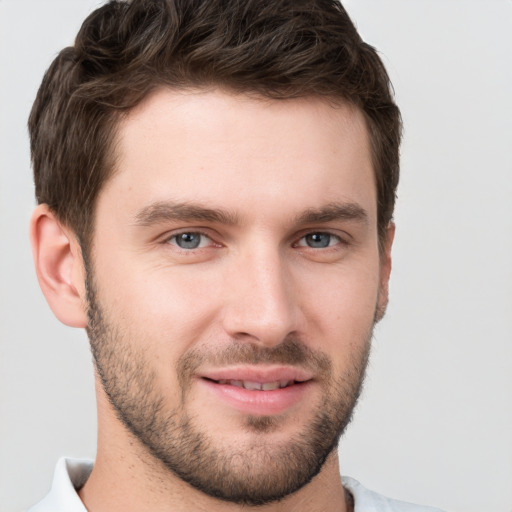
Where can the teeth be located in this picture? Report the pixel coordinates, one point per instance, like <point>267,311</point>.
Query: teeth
<point>257,386</point>
<point>252,385</point>
<point>269,386</point>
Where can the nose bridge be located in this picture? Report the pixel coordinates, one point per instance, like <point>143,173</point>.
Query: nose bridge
<point>262,305</point>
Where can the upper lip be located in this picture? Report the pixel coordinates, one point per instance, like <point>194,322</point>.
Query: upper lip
<point>258,373</point>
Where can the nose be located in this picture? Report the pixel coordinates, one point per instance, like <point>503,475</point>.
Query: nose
<point>262,302</point>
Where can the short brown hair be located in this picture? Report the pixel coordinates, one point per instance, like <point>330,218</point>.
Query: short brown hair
<point>126,49</point>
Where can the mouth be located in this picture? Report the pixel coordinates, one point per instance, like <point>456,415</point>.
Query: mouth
<point>258,391</point>
<point>257,386</point>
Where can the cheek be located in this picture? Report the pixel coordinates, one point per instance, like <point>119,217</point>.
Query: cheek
<point>343,307</point>
<point>168,308</point>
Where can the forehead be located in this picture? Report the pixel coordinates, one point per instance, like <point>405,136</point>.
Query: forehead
<point>236,151</point>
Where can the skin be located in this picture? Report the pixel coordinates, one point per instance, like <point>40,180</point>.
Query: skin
<point>254,280</point>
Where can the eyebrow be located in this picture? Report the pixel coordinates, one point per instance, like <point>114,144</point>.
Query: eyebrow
<point>165,211</point>
<point>333,212</point>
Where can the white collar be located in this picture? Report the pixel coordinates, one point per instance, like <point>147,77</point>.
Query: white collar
<point>70,475</point>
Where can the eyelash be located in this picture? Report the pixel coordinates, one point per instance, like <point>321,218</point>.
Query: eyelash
<point>337,239</point>
<point>174,237</point>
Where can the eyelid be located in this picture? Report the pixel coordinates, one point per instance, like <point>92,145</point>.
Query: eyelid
<point>343,238</point>
<point>195,231</point>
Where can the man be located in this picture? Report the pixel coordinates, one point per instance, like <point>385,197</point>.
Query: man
<point>216,184</point>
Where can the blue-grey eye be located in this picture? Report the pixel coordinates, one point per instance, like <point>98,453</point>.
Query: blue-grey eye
<point>318,240</point>
<point>189,240</point>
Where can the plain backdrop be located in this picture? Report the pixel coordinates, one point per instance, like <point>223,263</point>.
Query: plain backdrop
<point>434,424</point>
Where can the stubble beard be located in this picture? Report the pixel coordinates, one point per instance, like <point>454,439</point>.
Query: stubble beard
<point>263,471</point>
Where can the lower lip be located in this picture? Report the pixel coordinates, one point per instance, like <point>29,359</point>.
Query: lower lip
<point>259,403</point>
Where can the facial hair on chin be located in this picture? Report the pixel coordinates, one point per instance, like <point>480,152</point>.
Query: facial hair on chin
<point>260,473</point>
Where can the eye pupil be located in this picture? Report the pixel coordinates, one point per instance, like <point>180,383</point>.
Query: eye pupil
<point>318,240</point>
<point>188,240</point>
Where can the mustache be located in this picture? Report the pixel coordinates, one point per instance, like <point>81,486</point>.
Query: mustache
<point>290,352</point>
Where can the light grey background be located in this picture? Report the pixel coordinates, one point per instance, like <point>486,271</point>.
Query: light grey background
<point>435,422</point>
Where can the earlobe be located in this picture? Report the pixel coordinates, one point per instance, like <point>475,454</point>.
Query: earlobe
<point>385,272</point>
<point>59,267</point>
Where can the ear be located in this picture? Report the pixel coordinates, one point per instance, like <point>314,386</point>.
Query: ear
<point>385,272</point>
<point>59,267</point>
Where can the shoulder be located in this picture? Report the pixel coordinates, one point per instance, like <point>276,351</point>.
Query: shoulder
<point>70,475</point>
<point>370,501</point>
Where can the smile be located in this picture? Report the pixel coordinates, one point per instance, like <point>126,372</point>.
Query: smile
<point>257,390</point>
<point>259,386</point>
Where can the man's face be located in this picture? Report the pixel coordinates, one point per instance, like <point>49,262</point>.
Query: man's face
<point>234,281</point>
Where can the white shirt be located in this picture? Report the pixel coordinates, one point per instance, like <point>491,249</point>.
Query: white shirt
<point>71,474</point>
